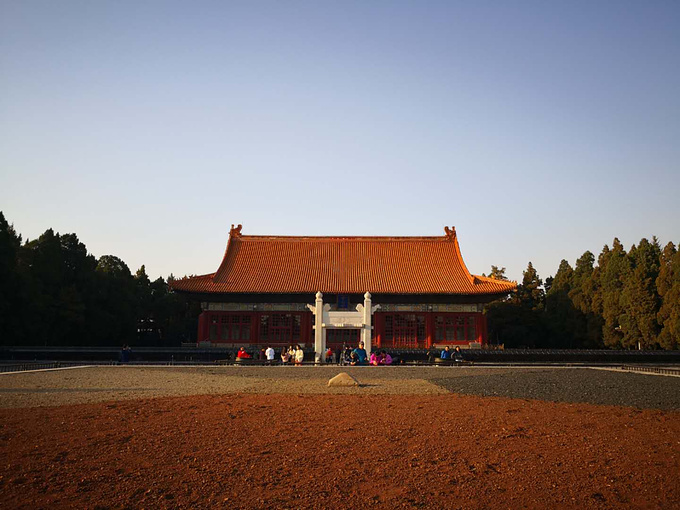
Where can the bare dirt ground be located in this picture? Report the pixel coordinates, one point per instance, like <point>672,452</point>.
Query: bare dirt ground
<point>276,437</point>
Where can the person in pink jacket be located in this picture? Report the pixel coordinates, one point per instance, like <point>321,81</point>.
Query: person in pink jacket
<point>384,358</point>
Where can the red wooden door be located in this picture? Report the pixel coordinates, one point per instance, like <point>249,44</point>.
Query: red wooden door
<point>336,337</point>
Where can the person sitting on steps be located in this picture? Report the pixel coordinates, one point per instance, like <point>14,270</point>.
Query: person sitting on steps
<point>361,354</point>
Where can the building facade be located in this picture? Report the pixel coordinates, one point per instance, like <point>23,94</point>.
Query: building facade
<point>391,292</point>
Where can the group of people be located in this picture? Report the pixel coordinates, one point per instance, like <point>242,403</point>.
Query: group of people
<point>267,354</point>
<point>358,356</point>
<point>456,355</point>
<point>345,356</point>
<point>292,356</point>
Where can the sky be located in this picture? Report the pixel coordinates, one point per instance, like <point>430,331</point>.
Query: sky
<point>538,129</point>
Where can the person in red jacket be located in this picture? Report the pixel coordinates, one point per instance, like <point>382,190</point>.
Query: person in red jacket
<point>242,354</point>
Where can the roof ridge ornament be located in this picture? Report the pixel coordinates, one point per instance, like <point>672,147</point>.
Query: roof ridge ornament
<point>450,233</point>
<point>235,232</point>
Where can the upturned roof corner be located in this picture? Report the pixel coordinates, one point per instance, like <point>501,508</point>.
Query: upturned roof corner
<point>235,231</point>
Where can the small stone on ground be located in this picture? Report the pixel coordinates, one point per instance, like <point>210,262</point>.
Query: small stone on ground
<point>343,379</point>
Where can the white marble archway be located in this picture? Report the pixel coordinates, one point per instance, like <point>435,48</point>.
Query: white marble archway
<point>340,319</point>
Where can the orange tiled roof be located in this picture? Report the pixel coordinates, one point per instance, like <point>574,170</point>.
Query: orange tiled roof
<point>348,265</point>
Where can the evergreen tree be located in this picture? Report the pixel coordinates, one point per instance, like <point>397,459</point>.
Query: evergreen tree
<point>11,286</point>
<point>530,293</point>
<point>639,297</point>
<point>588,331</point>
<point>114,303</point>
<point>60,282</point>
<point>583,288</point>
<point>668,285</point>
<point>518,321</point>
<point>146,327</point>
<point>560,314</point>
<point>614,270</point>
<point>497,274</point>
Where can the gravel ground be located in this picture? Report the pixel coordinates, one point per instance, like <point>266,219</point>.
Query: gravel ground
<point>570,385</point>
<point>101,384</point>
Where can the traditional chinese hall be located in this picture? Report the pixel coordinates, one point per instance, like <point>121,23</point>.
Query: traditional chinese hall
<point>391,292</point>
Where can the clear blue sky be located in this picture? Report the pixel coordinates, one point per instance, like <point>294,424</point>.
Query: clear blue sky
<point>539,129</point>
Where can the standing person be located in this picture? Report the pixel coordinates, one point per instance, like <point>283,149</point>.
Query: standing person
<point>299,355</point>
<point>269,353</point>
<point>362,356</point>
<point>431,354</point>
<point>125,353</point>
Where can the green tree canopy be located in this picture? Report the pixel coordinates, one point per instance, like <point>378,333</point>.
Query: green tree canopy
<point>668,285</point>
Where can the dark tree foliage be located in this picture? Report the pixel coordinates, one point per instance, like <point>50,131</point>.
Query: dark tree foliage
<point>53,293</point>
<point>628,300</point>
<point>59,277</point>
<point>12,299</point>
<point>582,295</point>
<point>561,317</point>
<point>115,302</point>
<point>518,321</point>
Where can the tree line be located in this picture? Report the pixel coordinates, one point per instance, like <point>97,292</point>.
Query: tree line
<point>53,293</point>
<point>627,300</point>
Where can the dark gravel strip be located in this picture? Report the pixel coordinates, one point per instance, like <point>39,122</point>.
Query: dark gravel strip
<point>569,385</point>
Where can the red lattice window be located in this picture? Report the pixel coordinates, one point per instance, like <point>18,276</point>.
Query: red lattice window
<point>455,328</point>
<point>230,328</point>
<point>405,330</point>
<point>280,328</point>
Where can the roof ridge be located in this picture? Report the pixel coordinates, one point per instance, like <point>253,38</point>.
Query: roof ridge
<point>354,238</point>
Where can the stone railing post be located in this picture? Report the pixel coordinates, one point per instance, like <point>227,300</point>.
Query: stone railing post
<point>366,329</point>
<point>319,336</point>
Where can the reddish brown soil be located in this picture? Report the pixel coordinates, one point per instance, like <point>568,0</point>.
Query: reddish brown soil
<point>318,451</point>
